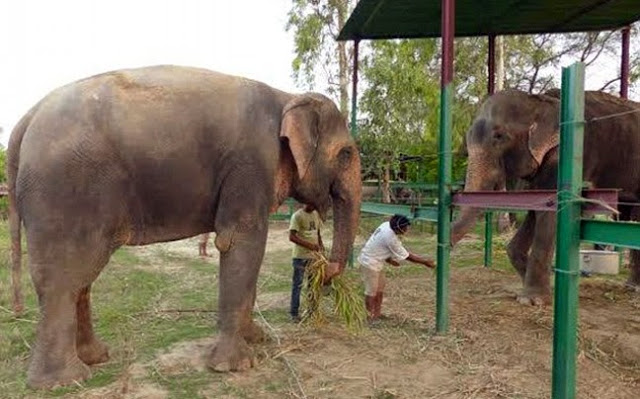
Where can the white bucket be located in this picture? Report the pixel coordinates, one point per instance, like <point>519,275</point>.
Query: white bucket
<point>601,262</point>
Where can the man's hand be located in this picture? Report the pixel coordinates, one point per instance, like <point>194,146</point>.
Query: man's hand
<point>429,263</point>
<point>332,269</point>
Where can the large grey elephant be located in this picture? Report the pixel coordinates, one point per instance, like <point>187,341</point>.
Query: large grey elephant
<point>162,153</point>
<point>515,135</point>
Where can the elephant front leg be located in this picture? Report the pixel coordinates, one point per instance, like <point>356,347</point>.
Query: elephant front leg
<point>251,332</point>
<point>241,254</point>
<point>537,289</point>
<point>518,248</point>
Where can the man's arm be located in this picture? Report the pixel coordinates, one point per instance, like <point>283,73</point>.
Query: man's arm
<point>293,237</point>
<point>419,259</point>
<point>392,262</point>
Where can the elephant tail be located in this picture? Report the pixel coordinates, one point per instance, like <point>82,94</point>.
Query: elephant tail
<point>15,220</point>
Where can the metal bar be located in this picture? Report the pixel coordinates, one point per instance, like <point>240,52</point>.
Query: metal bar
<point>354,113</point>
<point>444,167</point>
<point>624,67</point>
<point>354,89</point>
<point>429,214</point>
<point>491,65</point>
<point>622,234</point>
<point>488,232</point>
<point>597,201</point>
<point>565,315</point>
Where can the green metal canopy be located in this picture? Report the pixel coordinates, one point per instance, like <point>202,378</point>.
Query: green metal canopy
<point>393,19</point>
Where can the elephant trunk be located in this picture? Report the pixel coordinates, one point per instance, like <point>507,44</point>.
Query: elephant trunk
<point>482,175</point>
<point>346,193</point>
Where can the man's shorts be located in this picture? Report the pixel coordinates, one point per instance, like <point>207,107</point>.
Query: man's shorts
<point>374,281</point>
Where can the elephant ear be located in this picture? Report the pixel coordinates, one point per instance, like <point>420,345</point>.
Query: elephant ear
<point>300,128</point>
<point>544,130</point>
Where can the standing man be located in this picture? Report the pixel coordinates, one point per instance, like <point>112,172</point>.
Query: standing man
<point>384,246</point>
<point>203,239</point>
<point>304,232</point>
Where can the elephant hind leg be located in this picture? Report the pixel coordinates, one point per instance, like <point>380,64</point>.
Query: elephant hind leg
<point>518,248</point>
<point>54,361</point>
<point>633,281</point>
<point>90,349</point>
<point>62,272</point>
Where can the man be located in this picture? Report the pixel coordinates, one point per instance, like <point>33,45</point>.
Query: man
<point>384,246</point>
<point>203,239</point>
<point>304,232</point>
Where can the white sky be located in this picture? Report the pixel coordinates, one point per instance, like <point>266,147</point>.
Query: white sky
<point>48,43</point>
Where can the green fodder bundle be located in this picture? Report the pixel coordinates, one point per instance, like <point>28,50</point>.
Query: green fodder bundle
<point>348,303</point>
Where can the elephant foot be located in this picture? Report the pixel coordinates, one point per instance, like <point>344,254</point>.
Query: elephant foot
<point>93,352</point>
<point>534,297</point>
<point>230,354</point>
<point>42,377</point>
<point>252,333</point>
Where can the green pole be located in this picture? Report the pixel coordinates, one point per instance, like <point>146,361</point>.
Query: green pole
<point>568,233</point>
<point>354,110</point>
<point>444,168</point>
<point>488,232</point>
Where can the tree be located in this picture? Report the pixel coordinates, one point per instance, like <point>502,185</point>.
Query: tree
<point>316,25</point>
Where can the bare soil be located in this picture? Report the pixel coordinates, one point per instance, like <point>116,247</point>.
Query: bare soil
<point>496,348</point>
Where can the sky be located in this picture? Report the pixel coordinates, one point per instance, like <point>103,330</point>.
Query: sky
<point>45,44</point>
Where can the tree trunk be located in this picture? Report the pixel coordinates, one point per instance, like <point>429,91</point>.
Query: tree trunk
<point>499,63</point>
<point>386,186</point>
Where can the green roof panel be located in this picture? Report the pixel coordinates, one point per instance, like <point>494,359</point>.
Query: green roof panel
<point>392,19</point>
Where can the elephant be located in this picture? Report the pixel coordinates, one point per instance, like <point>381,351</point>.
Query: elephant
<point>162,153</point>
<point>515,135</point>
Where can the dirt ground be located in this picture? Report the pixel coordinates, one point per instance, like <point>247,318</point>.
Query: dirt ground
<point>496,348</point>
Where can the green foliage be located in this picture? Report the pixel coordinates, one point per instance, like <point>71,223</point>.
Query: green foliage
<point>316,25</point>
<point>401,104</point>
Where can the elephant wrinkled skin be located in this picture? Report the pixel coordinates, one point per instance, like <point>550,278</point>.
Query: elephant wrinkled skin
<point>515,136</point>
<point>162,153</point>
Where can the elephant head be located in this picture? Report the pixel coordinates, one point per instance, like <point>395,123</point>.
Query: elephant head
<point>323,165</point>
<point>508,140</point>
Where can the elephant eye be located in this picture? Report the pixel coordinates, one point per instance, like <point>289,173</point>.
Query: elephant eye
<point>344,156</point>
<point>499,136</point>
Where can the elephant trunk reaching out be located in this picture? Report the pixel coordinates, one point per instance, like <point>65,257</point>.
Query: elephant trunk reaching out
<point>483,174</point>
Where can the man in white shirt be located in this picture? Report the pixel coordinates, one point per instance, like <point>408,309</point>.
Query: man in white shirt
<point>384,246</point>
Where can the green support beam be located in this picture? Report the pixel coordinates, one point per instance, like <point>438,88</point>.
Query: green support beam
<point>567,272</point>
<point>623,234</point>
<point>488,237</point>
<point>444,167</point>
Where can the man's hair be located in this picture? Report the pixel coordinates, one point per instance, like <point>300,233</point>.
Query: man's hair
<point>399,223</point>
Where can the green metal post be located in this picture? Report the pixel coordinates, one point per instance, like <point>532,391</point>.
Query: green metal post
<point>568,233</point>
<point>354,111</point>
<point>444,168</point>
<point>488,232</point>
